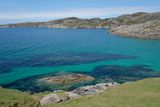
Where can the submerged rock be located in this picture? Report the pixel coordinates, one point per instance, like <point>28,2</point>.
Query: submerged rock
<point>67,79</point>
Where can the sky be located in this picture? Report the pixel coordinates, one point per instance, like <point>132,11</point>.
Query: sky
<point>13,11</point>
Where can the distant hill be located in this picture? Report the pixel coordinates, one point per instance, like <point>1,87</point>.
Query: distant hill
<point>71,22</point>
<point>142,25</point>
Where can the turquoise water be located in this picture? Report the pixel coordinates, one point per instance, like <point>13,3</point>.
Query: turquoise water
<point>27,52</point>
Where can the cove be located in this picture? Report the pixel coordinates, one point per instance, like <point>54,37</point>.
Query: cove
<point>28,52</point>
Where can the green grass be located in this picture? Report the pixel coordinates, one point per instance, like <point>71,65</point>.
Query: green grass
<point>144,93</point>
<point>14,98</point>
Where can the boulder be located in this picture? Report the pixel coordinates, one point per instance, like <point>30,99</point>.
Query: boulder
<point>50,99</point>
<point>93,89</point>
<point>64,98</point>
<point>73,95</point>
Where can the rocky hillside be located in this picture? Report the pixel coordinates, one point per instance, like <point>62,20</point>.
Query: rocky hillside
<point>136,18</point>
<point>74,22</point>
<point>142,25</point>
<point>71,22</point>
<point>149,30</point>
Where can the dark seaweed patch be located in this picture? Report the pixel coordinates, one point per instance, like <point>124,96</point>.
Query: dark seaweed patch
<point>106,73</point>
<point>124,73</point>
<point>57,60</point>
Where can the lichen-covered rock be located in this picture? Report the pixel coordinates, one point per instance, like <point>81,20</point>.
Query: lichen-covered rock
<point>149,30</point>
<point>93,89</point>
<point>82,91</point>
<point>73,95</point>
<point>50,99</point>
<point>64,98</point>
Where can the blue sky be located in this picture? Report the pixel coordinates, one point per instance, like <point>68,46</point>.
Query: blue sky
<point>12,11</point>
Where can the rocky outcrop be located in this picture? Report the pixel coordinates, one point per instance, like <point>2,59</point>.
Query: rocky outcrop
<point>142,25</point>
<point>67,79</point>
<point>149,30</point>
<point>93,89</point>
<point>77,93</point>
<point>49,99</point>
<point>136,18</point>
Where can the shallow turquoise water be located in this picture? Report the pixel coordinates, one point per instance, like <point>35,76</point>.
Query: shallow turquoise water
<point>26,52</point>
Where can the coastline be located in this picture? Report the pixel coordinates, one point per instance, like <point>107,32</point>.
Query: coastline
<point>139,25</point>
<point>133,92</point>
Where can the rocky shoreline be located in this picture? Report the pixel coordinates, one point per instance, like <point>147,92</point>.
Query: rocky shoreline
<point>77,93</point>
<point>149,30</point>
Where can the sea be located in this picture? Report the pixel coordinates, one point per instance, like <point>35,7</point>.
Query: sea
<point>27,54</point>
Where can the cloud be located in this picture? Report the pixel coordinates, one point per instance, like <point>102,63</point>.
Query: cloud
<point>82,13</point>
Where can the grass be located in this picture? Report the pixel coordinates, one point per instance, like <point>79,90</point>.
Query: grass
<point>143,93</point>
<point>14,98</point>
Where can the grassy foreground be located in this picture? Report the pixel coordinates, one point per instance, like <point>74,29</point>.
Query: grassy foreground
<point>13,98</point>
<point>144,93</point>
